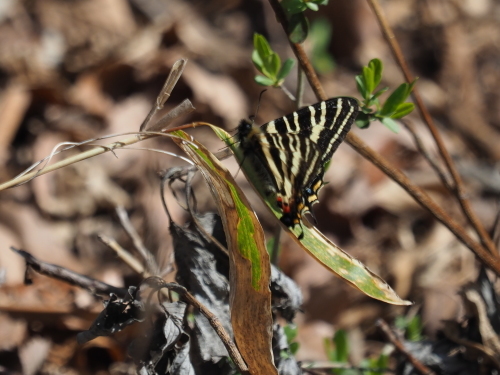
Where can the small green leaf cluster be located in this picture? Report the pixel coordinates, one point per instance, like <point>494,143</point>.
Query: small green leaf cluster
<point>298,6</point>
<point>268,63</point>
<point>376,365</point>
<point>291,334</point>
<point>337,351</point>
<point>394,107</point>
<point>411,326</point>
<point>298,24</point>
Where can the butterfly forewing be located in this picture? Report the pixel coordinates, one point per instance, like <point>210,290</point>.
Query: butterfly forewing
<point>291,152</point>
<point>325,123</point>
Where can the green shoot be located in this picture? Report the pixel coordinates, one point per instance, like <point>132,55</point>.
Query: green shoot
<point>395,107</point>
<point>268,63</point>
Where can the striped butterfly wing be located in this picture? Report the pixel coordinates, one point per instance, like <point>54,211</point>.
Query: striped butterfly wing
<point>325,123</point>
<point>286,164</point>
<point>290,153</point>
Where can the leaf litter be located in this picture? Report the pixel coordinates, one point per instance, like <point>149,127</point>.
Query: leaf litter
<point>46,99</point>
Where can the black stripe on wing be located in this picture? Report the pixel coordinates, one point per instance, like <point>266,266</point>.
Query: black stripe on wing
<point>290,152</point>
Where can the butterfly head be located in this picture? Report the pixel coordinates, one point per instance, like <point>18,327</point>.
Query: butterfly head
<point>246,130</point>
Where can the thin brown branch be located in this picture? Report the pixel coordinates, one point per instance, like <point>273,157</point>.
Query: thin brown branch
<point>425,153</point>
<point>70,277</point>
<point>151,264</point>
<point>180,110</point>
<point>355,142</point>
<point>425,201</point>
<point>419,366</point>
<point>459,187</point>
<point>168,86</point>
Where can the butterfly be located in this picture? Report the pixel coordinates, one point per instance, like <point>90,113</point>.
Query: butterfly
<point>289,154</point>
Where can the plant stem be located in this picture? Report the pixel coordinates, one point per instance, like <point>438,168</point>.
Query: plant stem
<point>458,188</point>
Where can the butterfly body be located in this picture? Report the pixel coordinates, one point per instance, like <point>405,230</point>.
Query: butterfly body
<point>289,154</point>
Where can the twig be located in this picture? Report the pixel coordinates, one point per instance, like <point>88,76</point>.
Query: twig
<point>123,254</point>
<point>170,82</point>
<point>98,150</point>
<point>355,142</point>
<point>151,264</point>
<point>459,188</point>
<point>70,277</point>
<point>182,109</point>
<point>189,298</point>
<point>287,93</point>
<point>423,198</point>
<point>432,161</point>
<point>419,366</point>
<point>300,87</point>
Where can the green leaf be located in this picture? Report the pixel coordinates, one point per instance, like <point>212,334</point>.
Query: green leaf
<point>298,27</point>
<point>390,124</point>
<point>380,92</point>
<point>290,332</point>
<point>261,45</point>
<point>401,323</point>
<point>257,60</point>
<point>410,89</point>
<point>293,6</point>
<point>245,237</point>
<point>294,347</point>
<point>395,99</point>
<point>361,85</point>
<point>341,346</point>
<point>264,81</point>
<point>285,70</point>
<point>329,349</point>
<point>403,110</point>
<point>383,361</point>
<point>368,76</point>
<point>363,123</point>
<point>377,67</point>
<point>414,332</point>
<point>272,64</point>
<point>312,6</point>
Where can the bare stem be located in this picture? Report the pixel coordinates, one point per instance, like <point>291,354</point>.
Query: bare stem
<point>459,187</point>
<point>151,264</point>
<point>425,153</point>
<point>70,277</point>
<point>419,366</point>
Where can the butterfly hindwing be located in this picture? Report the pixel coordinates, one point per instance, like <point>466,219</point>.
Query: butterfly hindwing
<point>290,153</point>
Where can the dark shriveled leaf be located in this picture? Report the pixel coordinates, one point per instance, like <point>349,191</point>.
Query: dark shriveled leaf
<point>117,314</point>
<point>199,270</point>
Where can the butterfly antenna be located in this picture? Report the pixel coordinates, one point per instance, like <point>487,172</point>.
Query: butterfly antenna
<point>258,105</point>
